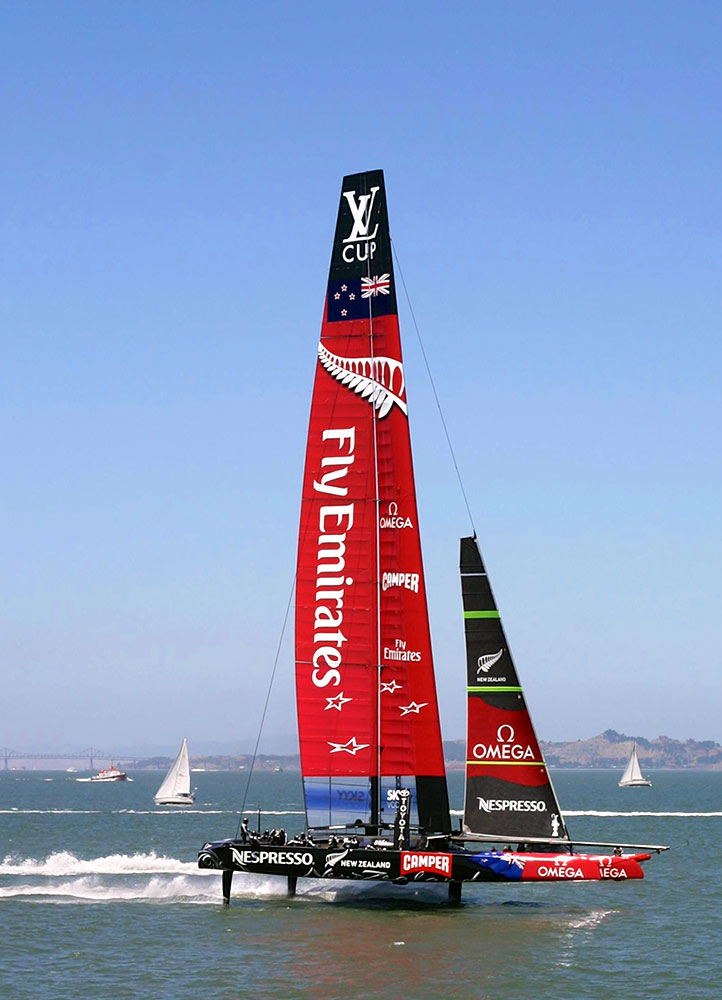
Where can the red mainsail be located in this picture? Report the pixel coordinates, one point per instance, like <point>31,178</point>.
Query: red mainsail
<point>367,710</point>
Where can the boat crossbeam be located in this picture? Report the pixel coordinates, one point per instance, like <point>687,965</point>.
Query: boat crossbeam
<point>567,845</point>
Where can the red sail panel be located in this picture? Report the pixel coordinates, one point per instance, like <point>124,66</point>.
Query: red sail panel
<point>336,585</point>
<point>410,731</point>
<point>360,587</point>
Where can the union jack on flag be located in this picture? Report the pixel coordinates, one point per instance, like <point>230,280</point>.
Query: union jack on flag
<point>378,285</point>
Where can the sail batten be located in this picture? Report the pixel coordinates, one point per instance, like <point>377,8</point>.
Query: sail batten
<point>366,697</point>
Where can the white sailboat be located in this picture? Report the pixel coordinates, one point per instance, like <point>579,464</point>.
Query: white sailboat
<point>633,776</point>
<point>176,787</point>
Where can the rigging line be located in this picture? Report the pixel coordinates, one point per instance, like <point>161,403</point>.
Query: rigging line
<point>265,706</point>
<point>433,388</point>
<point>376,806</point>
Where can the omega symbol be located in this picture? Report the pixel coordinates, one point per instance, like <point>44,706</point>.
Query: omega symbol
<point>500,734</point>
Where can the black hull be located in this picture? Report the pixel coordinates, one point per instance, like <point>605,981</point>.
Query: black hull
<point>356,863</point>
<point>449,864</point>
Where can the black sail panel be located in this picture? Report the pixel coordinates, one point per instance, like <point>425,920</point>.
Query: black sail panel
<point>508,789</point>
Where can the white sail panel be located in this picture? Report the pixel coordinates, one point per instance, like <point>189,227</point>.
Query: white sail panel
<point>633,772</point>
<point>177,782</point>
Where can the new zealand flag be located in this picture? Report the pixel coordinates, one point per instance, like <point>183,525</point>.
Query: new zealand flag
<point>357,298</point>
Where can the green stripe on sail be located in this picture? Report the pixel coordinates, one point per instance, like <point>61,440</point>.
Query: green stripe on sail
<point>494,687</point>
<point>482,614</point>
<point>508,763</point>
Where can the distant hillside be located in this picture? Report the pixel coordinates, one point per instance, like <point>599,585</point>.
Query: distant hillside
<point>242,762</point>
<point>611,749</point>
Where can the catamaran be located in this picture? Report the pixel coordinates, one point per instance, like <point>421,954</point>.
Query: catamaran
<point>175,789</point>
<point>374,780</point>
<point>633,777</point>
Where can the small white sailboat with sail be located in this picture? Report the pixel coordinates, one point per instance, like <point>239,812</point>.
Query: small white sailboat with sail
<point>633,777</point>
<point>175,789</point>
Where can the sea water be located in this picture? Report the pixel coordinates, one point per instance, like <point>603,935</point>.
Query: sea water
<point>100,897</point>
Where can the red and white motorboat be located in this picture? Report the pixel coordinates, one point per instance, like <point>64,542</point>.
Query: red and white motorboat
<point>111,773</point>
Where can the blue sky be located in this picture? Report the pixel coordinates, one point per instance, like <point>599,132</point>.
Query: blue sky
<point>170,176</point>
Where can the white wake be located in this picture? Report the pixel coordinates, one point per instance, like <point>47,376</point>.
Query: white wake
<point>63,863</point>
<point>92,889</point>
<point>145,812</point>
<point>606,812</point>
<point>62,877</point>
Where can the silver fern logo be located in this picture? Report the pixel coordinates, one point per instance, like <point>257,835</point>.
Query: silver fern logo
<point>379,380</point>
<point>485,663</point>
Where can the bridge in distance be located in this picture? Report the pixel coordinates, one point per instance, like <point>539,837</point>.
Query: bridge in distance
<point>91,754</point>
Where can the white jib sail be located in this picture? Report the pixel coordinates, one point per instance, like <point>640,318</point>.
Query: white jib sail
<point>177,783</point>
<point>632,772</point>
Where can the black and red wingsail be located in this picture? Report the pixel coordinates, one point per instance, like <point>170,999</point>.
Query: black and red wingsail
<point>508,789</point>
<point>367,709</point>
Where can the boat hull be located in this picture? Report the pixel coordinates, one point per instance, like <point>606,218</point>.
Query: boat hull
<point>177,801</point>
<point>405,866</point>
